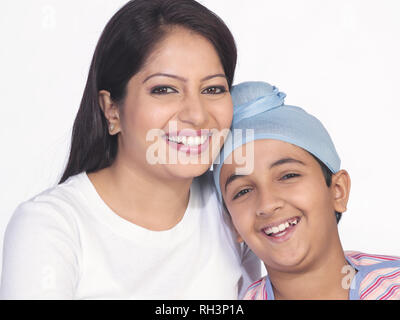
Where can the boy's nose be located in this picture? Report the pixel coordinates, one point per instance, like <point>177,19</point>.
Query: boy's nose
<point>269,203</point>
<point>193,111</point>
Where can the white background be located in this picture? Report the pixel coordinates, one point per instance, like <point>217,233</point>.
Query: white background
<point>340,60</point>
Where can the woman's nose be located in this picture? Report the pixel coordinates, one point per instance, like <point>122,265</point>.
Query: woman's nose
<point>193,111</point>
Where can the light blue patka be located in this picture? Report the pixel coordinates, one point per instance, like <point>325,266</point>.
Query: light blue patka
<point>259,112</point>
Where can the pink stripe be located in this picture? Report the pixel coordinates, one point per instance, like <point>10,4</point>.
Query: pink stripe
<point>390,293</point>
<point>388,258</point>
<point>258,281</point>
<point>265,291</point>
<point>378,281</point>
<point>396,295</point>
<point>254,284</point>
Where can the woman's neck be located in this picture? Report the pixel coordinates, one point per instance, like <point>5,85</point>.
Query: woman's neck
<point>323,280</point>
<point>141,198</point>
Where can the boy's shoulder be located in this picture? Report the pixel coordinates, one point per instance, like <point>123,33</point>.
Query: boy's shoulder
<point>258,290</point>
<point>367,259</point>
<point>378,276</point>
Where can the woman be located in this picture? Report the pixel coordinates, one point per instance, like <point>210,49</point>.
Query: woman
<point>128,220</point>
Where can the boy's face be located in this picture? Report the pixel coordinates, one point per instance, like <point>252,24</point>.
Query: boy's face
<point>284,209</point>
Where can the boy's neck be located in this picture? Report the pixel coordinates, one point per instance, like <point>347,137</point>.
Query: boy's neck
<point>323,280</point>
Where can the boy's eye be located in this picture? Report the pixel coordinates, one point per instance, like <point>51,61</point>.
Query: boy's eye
<point>163,90</point>
<point>241,193</point>
<point>290,176</point>
<point>214,90</point>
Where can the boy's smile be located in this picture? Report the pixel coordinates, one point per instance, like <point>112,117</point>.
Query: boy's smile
<point>284,209</point>
<point>282,230</point>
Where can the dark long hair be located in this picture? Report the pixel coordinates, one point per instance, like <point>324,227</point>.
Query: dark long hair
<point>124,45</point>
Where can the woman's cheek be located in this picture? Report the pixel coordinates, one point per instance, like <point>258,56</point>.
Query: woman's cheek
<point>222,112</point>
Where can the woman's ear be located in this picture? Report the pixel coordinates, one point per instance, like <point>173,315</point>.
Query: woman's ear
<point>110,111</point>
<point>340,186</point>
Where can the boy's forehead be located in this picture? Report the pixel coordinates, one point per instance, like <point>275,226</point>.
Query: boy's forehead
<point>267,149</point>
<point>263,153</point>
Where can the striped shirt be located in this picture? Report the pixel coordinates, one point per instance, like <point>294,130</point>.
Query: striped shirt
<point>377,278</point>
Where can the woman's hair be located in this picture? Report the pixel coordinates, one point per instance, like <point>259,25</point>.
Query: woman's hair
<point>124,45</point>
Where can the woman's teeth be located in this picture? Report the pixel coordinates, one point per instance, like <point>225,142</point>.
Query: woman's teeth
<point>281,228</point>
<point>190,141</point>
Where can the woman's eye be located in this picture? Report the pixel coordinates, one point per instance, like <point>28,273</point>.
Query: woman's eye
<point>290,176</point>
<point>162,90</point>
<point>241,193</point>
<point>214,90</point>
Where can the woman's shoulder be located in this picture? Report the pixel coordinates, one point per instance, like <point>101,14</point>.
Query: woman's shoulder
<point>57,204</point>
<point>42,239</point>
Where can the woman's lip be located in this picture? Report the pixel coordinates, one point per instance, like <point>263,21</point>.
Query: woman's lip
<point>188,133</point>
<point>191,150</point>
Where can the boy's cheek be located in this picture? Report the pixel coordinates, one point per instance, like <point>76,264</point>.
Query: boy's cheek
<point>242,223</point>
<point>307,197</point>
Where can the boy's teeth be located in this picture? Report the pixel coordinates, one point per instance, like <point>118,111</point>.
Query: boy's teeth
<point>282,227</point>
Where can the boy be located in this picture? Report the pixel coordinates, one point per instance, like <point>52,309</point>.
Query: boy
<point>287,205</point>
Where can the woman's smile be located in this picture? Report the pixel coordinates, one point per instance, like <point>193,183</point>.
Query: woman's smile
<point>189,141</point>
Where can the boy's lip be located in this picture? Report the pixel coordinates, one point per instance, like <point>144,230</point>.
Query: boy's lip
<point>279,222</point>
<point>275,234</point>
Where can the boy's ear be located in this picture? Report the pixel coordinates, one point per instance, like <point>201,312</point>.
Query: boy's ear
<point>340,186</point>
<point>110,110</point>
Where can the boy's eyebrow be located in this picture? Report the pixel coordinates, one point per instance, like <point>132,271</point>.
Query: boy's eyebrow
<point>160,74</point>
<point>286,160</point>
<point>232,178</point>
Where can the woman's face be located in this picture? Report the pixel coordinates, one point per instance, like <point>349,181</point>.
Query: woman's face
<point>174,107</point>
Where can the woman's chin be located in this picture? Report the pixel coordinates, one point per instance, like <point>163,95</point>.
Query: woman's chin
<point>187,171</point>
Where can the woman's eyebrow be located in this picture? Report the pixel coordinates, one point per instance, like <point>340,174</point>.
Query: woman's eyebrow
<point>286,160</point>
<point>161,74</point>
<point>213,76</point>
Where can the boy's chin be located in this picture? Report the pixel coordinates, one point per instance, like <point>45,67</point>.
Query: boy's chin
<point>286,261</point>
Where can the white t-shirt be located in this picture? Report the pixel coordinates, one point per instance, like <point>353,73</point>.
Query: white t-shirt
<point>66,243</point>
